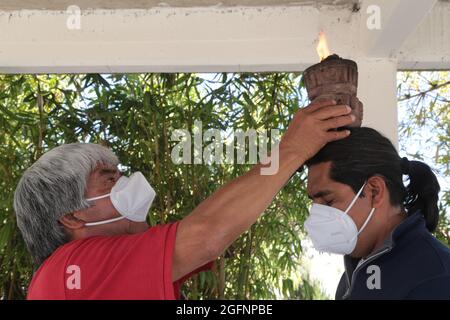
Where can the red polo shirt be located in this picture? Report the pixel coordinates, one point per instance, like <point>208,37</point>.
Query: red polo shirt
<point>134,267</point>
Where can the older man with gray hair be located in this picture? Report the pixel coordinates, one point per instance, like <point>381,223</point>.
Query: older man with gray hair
<point>85,224</point>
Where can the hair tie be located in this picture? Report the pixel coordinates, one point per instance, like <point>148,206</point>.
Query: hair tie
<point>404,165</point>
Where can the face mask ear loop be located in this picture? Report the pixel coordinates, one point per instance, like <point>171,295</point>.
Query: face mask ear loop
<point>99,197</point>
<point>355,198</point>
<point>367,221</point>
<point>103,222</point>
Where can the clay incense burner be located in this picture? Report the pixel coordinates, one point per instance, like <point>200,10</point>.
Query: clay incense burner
<point>337,79</point>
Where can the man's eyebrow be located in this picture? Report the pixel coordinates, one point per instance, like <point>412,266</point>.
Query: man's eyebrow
<point>320,194</point>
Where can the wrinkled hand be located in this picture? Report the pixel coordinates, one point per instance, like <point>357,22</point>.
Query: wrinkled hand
<point>309,130</point>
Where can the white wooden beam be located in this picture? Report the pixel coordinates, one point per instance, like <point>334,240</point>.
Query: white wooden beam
<point>218,39</point>
<point>172,39</point>
<point>398,20</point>
<point>428,48</point>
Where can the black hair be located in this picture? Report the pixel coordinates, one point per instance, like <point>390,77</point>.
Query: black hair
<point>366,153</point>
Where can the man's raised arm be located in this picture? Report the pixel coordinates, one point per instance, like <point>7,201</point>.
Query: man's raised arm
<point>204,234</point>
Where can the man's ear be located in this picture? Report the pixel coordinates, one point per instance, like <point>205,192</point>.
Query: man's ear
<point>378,189</point>
<point>71,222</point>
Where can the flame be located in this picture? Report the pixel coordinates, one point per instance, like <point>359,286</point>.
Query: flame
<point>322,47</point>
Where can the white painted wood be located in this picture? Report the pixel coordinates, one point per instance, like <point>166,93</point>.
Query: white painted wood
<point>428,48</point>
<point>167,39</point>
<point>277,38</point>
<point>398,19</point>
<point>377,89</point>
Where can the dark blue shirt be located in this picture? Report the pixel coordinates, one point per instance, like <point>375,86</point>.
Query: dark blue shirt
<point>412,264</point>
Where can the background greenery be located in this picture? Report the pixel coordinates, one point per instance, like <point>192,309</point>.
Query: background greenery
<point>134,115</point>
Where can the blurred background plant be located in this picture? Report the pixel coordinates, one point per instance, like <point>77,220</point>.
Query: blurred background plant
<point>134,115</point>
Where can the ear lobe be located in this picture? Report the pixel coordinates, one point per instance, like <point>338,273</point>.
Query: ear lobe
<point>71,222</point>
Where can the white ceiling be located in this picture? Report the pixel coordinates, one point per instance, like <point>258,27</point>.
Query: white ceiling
<point>7,5</point>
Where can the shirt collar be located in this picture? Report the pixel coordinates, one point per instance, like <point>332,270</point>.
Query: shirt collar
<point>402,231</point>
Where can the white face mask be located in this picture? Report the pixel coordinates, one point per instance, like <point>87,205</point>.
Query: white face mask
<point>333,230</point>
<point>132,198</point>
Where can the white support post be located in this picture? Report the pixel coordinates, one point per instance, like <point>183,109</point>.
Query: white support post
<point>377,90</point>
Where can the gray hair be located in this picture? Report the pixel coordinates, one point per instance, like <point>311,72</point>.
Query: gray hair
<point>52,187</point>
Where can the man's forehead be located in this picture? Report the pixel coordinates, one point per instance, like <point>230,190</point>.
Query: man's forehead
<point>318,178</point>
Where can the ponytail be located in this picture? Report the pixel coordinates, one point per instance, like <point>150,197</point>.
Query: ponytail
<point>422,191</point>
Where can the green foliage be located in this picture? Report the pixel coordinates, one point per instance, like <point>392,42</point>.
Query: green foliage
<point>309,290</point>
